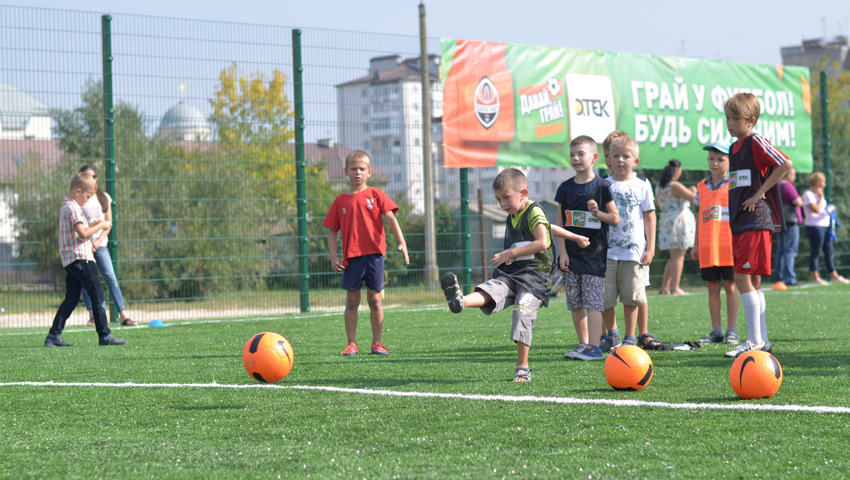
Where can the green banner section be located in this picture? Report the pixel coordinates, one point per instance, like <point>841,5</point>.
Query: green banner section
<point>519,105</point>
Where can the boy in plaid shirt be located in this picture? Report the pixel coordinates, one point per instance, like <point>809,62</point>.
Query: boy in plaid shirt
<point>75,251</point>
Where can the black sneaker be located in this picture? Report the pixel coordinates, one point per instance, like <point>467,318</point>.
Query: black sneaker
<point>111,340</point>
<point>452,291</point>
<point>55,341</point>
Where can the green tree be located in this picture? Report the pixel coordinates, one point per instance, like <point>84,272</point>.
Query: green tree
<point>253,121</point>
<point>40,184</point>
<point>838,114</point>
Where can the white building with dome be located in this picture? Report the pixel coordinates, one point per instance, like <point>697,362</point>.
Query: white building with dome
<point>184,123</point>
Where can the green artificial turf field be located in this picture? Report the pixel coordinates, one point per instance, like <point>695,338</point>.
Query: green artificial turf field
<point>177,403</point>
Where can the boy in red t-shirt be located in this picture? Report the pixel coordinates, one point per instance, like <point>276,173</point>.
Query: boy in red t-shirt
<point>358,214</point>
<point>755,212</point>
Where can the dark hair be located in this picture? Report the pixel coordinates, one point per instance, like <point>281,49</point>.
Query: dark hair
<point>667,173</point>
<point>584,140</point>
<point>101,197</point>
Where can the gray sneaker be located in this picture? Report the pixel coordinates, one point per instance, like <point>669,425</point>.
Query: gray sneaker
<point>55,341</point>
<point>111,340</point>
<point>767,347</point>
<point>451,289</point>
<point>590,353</point>
<point>575,353</point>
<point>712,338</point>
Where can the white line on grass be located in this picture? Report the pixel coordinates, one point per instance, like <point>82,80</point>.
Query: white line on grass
<point>460,396</point>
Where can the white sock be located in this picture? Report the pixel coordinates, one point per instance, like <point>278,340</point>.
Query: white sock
<point>762,316</point>
<point>752,309</point>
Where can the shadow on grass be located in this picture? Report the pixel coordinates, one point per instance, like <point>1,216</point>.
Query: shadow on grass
<point>373,384</point>
<point>208,407</point>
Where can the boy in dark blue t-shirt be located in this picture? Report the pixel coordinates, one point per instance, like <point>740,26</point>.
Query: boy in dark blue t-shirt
<point>585,208</point>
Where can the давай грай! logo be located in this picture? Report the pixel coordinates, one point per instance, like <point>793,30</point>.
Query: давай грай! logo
<point>486,102</point>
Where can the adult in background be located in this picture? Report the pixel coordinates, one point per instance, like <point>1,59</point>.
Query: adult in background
<point>99,207</point>
<point>817,229</point>
<point>676,225</point>
<point>788,242</point>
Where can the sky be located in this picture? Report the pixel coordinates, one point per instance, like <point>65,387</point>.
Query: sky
<point>733,30</point>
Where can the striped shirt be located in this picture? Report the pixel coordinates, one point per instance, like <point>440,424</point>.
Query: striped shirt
<point>71,246</point>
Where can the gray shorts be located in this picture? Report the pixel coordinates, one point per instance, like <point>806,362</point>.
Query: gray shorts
<point>584,291</point>
<point>505,293</point>
<point>624,279</point>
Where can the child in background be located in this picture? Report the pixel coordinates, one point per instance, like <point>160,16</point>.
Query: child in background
<point>713,244</point>
<point>611,338</point>
<point>631,243</point>
<point>521,278</point>
<point>585,207</point>
<point>755,212</point>
<point>358,214</point>
<point>75,252</point>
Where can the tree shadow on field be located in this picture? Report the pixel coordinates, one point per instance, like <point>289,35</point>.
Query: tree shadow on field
<point>202,408</point>
<point>378,383</point>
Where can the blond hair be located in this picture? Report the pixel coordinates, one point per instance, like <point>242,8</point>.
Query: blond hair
<point>84,182</point>
<point>742,105</point>
<point>628,143</point>
<point>357,155</point>
<point>816,177</point>
<point>510,178</point>
<point>606,144</point>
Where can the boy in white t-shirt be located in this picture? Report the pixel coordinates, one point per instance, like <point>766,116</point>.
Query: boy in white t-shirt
<point>631,243</point>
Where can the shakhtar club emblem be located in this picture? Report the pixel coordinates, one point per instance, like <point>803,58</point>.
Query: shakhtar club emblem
<point>486,103</point>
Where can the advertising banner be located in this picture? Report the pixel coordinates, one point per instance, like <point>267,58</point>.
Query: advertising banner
<point>520,105</point>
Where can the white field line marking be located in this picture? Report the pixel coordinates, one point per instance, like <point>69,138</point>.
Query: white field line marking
<point>459,396</point>
<point>284,316</point>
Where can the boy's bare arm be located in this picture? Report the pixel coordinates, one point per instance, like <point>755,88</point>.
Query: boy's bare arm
<point>611,217</point>
<point>649,228</point>
<point>396,229</point>
<point>695,248</point>
<point>562,244</point>
<point>336,265</point>
<point>769,182</point>
<point>538,245</point>
<point>559,232</point>
<point>93,228</point>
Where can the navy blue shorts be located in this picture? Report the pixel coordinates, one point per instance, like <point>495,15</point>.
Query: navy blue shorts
<point>368,269</point>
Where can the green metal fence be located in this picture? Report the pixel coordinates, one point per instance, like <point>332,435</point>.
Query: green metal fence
<point>222,147</point>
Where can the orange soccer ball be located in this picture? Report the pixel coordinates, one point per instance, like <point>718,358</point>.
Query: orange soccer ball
<point>268,357</point>
<point>755,374</point>
<point>628,368</point>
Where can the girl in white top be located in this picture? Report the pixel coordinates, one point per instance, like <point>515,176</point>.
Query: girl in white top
<point>817,229</point>
<point>99,207</point>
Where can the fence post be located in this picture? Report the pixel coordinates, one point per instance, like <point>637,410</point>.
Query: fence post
<point>431,269</point>
<point>109,144</point>
<point>300,176</point>
<point>824,112</point>
<point>464,219</point>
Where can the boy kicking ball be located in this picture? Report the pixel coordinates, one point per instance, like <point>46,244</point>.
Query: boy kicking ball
<point>521,278</point>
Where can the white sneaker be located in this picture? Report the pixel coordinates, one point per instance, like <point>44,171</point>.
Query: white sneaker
<point>744,347</point>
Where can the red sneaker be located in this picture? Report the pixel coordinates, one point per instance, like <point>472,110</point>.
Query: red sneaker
<point>379,349</point>
<point>350,350</point>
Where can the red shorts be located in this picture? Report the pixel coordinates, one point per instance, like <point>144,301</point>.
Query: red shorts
<point>751,252</point>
